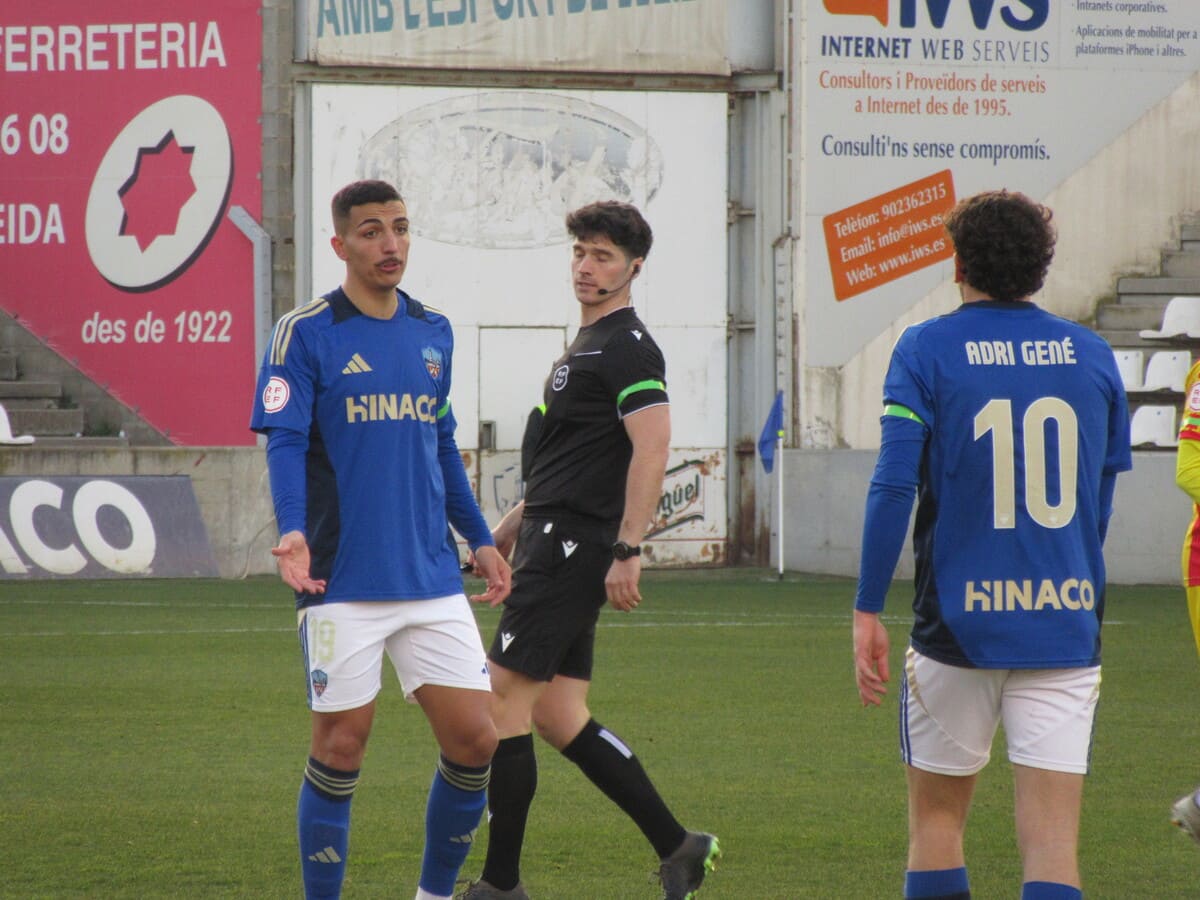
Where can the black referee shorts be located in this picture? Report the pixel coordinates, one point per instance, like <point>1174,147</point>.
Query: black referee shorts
<point>548,626</point>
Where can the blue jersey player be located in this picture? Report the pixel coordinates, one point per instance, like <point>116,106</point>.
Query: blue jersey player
<point>366,478</point>
<point>1010,425</point>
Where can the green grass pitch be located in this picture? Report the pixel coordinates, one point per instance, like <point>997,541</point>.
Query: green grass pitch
<point>154,733</point>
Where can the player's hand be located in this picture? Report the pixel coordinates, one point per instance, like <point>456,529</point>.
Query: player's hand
<point>291,556</point>
<point>871,646</point>
<point>621,584</point>
<point>490,565</point>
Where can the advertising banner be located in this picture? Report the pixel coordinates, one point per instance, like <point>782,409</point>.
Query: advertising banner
<point>913,104</point>
<point>127,132</point>
<point>81,527</point>
<point>679,36</point>
<point>488,177</point>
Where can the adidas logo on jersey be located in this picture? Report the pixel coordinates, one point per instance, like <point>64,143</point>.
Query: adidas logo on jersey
<point>356,366</point>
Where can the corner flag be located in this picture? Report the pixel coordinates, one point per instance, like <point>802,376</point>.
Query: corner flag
<point>772,431</point>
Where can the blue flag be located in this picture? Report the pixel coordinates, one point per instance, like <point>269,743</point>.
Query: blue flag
<point>772,430</point>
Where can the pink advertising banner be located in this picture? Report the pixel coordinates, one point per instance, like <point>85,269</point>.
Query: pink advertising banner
<point>128,130</point>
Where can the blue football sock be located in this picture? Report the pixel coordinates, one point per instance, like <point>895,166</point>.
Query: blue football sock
<point>456,801</point>
<point>942,884</point>
<point>323,823</point>
<point>1049,890</point>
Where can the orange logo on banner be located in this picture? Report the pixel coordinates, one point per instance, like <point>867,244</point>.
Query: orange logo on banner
<point>876,8</point>
<point>886,237</point>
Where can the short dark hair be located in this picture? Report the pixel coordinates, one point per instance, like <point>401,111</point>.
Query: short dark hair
<point>358,193</point>
<point>620,222</point>
<point>1004,243</point>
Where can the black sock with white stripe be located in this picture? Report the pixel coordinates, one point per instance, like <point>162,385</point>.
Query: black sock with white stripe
<point>612,767</point>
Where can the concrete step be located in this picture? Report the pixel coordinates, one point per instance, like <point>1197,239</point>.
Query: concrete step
<point>11,403</point>
<point>69,442</point>
<point>30,390</point>
<point>1131,340</point>
<point>1157,285</point>
<point>1127,316</point>
<point>40,422</point>
<point>1181,263</point>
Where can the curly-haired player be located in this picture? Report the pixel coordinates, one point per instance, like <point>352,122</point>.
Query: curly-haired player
<point>1011,425</point>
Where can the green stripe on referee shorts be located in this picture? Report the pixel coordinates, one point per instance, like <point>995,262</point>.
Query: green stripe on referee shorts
<point>649,385</point>
<point>901,412</point>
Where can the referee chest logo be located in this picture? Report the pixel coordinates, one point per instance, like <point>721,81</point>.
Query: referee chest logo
<point>559,380</point>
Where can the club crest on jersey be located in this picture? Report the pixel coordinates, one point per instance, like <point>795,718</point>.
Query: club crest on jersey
<point>559,381</point>
<point>320,681</point>
<point>1194,399</point>
<point>433,361</point>
<point>276,394</point>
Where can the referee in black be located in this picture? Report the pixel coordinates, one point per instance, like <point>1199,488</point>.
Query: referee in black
<point>594,477</point>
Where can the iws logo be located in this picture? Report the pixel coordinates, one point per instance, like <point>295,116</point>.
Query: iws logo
<point>433,362</point>
<point>559,380</point>
<point>159,192</point>
<point>1019,15</point>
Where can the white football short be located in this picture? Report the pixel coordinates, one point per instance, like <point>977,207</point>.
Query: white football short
<point>428,641</point>
<point>949,714</point>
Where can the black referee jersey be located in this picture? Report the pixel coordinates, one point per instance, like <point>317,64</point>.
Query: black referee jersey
<point>581,456</point>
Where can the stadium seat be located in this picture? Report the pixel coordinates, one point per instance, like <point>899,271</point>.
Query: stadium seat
<point>1181,318</point>
<point>6,435</point>
<point>1129,364</point>
<point>1167,371</point>
<point>1153,426</point>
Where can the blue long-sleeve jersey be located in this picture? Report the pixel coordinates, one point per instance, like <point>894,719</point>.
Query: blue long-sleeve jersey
<point>361,449</point>
<point>1011,424</point>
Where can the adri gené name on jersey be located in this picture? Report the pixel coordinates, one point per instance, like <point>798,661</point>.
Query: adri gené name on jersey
<point>1028,595</point>
<point>1029,353</point>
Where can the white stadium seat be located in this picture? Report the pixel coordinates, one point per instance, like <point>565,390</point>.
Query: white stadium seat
<point>1153,426</point>
<point>1181,318</point>
<point>1129,364</point>
<point>6,435</point>
<point>1167,371</point>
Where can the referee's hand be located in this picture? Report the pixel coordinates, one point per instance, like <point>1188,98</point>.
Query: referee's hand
<point>621,584</point>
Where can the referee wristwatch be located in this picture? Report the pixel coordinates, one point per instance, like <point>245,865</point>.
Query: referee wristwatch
<point>621,551</point>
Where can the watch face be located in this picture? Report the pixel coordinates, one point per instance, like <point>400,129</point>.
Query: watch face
<point>622,551</point>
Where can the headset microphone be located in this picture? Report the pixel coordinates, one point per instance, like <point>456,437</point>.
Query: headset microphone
<point>605,291</point>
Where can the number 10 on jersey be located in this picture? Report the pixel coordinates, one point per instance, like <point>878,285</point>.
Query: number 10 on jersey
<point>996,418</point>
